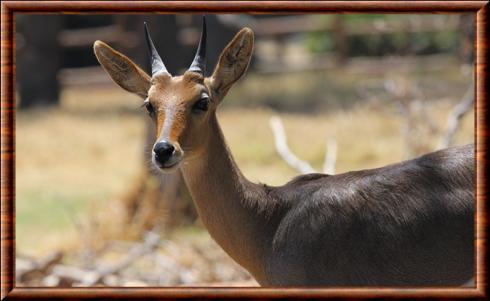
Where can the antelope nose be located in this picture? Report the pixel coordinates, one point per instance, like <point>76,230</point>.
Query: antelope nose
<point>163,151</point>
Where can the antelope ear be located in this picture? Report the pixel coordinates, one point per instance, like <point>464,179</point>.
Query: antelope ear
<point>233,61</point>
<point>122,70</point>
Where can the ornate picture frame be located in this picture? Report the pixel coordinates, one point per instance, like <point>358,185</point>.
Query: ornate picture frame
<point>8,108</point>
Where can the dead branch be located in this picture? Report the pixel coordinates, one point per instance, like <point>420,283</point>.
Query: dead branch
<point>283,149</point>
<point>53,273</point>
<point>73,274</point>
<point>410,104</point>
<point>27,268</point>
<point>148,262</point>
<point>455,117</point>
<point>151,242</point>
<point>293,161</point>
<point>330,156</point>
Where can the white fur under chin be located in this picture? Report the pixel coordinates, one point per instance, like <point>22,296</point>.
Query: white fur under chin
<point>174,166</point>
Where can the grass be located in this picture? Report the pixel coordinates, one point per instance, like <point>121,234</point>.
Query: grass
<point>364,140</point>
<point>71,160</point>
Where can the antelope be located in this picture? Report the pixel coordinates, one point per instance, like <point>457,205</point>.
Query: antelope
<point>405,224</point>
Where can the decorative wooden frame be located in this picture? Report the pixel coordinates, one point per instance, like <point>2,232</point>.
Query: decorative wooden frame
<point>9,8</point>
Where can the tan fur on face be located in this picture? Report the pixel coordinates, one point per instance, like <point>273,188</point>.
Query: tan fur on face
<point>173,97</point>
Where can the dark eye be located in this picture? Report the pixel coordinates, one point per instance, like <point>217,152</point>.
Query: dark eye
<point>151,110</point>
<point>201,105</point>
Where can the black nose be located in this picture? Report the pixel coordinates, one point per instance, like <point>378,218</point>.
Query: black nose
<point>163,151</point>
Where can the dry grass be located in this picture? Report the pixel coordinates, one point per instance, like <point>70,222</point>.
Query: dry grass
<point>365,139</point>
<point>71,160</point>
<point>89,151</point>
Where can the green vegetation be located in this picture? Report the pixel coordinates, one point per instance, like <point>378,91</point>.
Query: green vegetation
<point>389,43</point>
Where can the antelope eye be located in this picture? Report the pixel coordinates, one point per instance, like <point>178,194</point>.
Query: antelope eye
<point>149,107</point>
<point>201,105</point>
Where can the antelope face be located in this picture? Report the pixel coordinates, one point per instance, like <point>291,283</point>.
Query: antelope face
<point>180,106</point>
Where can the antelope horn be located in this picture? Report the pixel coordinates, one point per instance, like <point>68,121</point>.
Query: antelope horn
<point>157,65</point>
<point>199,63</point>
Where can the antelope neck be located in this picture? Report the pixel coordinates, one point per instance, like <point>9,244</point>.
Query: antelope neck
<point>225,202</point>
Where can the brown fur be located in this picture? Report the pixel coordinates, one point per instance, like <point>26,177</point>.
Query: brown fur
<point>122,70</point>
<point>406,224</point>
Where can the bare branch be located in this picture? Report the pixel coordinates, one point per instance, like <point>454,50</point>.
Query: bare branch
<point>29,268</point>
<point>75,274</point>
<point>83,277</point>
<point>152,239</point>
<point>283,149</point>
<point>454,118</point>
<point>330,156</point>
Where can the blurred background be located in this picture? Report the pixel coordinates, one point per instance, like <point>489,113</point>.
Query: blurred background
<point>335,92</point>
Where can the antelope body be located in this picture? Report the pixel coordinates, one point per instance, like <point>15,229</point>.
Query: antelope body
<point>406,224</point>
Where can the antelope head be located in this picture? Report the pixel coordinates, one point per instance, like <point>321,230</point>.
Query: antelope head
<point>182,107</point>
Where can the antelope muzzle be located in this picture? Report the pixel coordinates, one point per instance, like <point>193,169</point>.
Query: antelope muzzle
<point>166,155</point>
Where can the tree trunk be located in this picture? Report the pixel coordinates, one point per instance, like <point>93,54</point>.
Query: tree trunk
<point>38,59</point>
<point>467,32</point>
<point>340,40</point>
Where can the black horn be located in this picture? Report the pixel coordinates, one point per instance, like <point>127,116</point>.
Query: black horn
<point>199,63</point>
<point>156,62</point>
